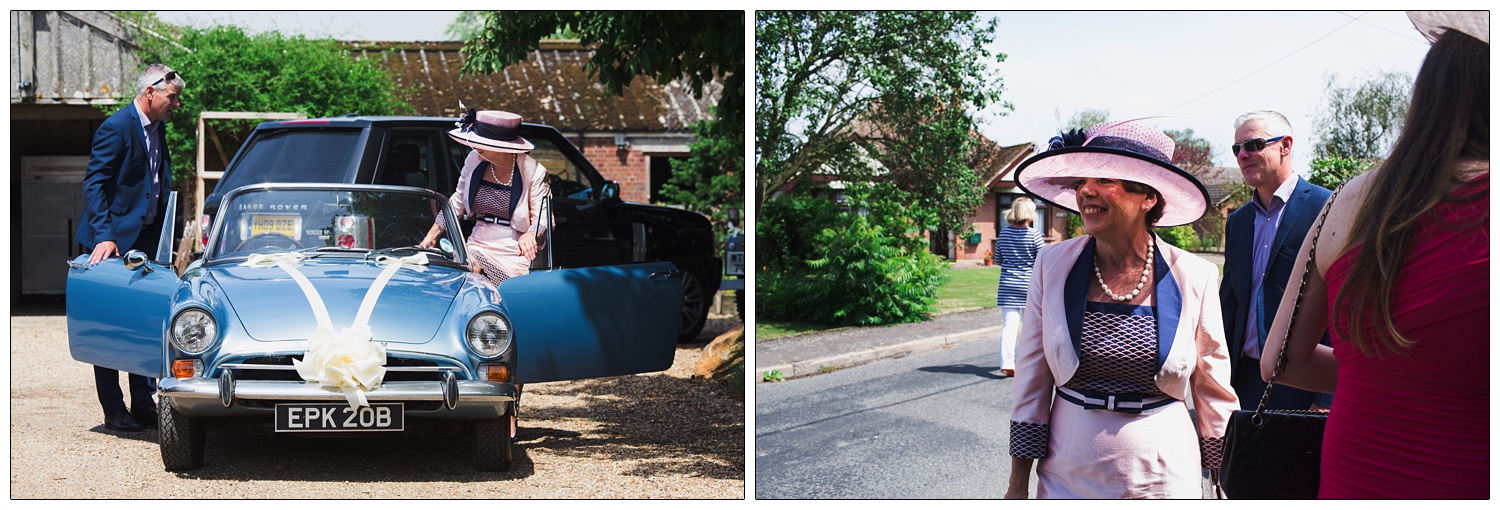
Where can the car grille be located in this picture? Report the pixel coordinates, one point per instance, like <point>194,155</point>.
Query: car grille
<point>290,373</point>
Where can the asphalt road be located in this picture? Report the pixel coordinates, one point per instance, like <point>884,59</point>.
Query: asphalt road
<point>933,425</point>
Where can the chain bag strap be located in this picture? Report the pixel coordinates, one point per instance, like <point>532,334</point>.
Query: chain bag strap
<point>1276,454</point>
<point>1291,323</point>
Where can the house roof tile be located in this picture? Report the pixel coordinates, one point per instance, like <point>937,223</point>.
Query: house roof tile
<point>550,87</point>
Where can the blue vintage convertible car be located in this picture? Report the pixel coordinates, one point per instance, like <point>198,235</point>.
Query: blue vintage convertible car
<point>314,310</point>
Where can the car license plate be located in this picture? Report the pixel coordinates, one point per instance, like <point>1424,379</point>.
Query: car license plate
<point>339,418</point>
<point>285,224</point>
<point>736,263</point>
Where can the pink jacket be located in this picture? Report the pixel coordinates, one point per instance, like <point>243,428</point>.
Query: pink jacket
<point>1196,356</point>
<point>534,177</point>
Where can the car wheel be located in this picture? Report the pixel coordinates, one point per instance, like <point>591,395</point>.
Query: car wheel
<point>739,304</point>
<point>492,444</point>
<point>181,438</point>
<point>694,301</point>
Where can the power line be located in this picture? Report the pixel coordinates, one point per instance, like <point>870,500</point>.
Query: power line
<point>1262,68</point>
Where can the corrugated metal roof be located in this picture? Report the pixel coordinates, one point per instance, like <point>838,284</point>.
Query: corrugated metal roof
<point>551,87</point>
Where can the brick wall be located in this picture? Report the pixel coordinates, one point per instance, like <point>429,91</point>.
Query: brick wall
<point>628,167</point>
<point>983,221</point>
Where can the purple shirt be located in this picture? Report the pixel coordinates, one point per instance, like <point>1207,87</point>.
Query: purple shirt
<point>1266,221</point>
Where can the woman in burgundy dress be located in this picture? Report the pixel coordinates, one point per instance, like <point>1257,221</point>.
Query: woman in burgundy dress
<point>1410,355</point>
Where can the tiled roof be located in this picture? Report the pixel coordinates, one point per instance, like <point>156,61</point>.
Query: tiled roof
<point>1220,182</point>
<point>551,87</point>
<point>1000,170</point>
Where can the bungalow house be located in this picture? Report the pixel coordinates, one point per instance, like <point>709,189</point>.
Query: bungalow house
<point>1226,192</point>
<point>999,181</point>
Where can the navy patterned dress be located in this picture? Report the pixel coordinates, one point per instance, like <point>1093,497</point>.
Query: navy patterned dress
<point>492,200</point>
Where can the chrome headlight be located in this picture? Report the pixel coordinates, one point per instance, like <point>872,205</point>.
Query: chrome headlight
<point>489,334</point>
<point>194,331</point>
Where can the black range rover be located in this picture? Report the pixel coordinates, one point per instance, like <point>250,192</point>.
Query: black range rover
<point>594,226</point>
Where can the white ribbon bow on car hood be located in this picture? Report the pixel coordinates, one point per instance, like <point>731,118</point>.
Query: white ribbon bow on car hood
<point>347,360</point>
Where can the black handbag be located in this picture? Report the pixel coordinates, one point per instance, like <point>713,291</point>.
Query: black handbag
<point>1276,454</point>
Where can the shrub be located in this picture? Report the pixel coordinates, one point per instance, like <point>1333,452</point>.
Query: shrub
<point>1181,236</point>
<point>823,263</point>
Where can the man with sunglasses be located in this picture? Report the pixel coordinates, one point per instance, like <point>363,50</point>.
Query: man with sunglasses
<point>1261,242</point>
<point>129,175</point>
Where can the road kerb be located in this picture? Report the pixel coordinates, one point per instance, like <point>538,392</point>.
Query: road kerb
<point>816,366</point>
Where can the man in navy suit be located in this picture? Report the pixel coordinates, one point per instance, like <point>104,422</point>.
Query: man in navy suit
<point>1262,240</point>
<point>129,176</point>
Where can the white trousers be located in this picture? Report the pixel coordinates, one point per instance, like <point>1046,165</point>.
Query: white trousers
<point>1010,328</point>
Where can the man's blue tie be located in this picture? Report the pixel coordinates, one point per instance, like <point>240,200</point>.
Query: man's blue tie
<point>154,164</point>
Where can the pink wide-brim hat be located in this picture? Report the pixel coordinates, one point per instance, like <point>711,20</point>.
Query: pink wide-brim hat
<point>1126,151</point>
<point>1433,23</point>
<point>491,130</point>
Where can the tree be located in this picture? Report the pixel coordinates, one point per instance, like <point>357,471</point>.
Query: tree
<point>1332,172</point>
<point>1362,120</point>
<point>703,47</point>
<point>880,102</point>
<point>228,70</point>
<point>1086,117</point>
<point>1190,153</point>
<point>856,96</point>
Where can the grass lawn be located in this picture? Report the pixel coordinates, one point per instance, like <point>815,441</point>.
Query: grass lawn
<point>966,289</point>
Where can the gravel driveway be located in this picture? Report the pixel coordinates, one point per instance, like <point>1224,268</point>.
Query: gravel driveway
<point>656,435</point>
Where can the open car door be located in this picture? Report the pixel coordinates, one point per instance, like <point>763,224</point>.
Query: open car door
<point>117,310</point>
<point>594,321</point>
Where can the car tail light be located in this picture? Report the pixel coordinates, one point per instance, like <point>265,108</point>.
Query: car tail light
<point>187,368</point>
<point>497,372</point>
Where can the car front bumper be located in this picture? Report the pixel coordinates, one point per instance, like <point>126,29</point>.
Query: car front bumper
<point>206,398</point>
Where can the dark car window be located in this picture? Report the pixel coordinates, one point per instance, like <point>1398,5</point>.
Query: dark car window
<point>295,155</point>
<point>564,177</point>
<point>408,159</point>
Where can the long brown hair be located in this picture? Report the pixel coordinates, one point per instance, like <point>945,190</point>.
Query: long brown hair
<point>1448,121</point>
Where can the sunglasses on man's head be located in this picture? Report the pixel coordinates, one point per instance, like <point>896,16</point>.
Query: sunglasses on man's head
<point>171,75</point>
<point>1254,144</point>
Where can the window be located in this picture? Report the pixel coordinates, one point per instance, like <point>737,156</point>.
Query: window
<point>565,179</point>
<point>1003,202</point>
<point>295,155</point>
<point>408,160</point>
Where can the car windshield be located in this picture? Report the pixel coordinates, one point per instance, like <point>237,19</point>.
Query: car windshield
<point>333,221</point>
<point>295,155</point>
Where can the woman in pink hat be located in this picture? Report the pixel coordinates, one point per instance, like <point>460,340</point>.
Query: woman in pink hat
<point>503,189</point>
<point>1119,328</point>
<point>1401,281</point>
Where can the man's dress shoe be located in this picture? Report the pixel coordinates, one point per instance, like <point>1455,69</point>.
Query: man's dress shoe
<point>146,419</point>
<point>122,421</point>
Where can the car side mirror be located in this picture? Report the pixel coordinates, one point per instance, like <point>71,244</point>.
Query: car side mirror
<point>136,259</point>
<point>610,191</point>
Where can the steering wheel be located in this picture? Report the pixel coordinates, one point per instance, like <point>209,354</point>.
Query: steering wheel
<point>267,239</point>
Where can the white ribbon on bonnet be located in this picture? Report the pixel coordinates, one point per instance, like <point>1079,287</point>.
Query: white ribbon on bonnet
<point>348,360</point>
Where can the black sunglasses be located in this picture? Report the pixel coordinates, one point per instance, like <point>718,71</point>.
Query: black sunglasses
<point>1254,144</point>
<point>171,75</point>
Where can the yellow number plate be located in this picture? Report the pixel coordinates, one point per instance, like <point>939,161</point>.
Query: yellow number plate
<point>285,224</point>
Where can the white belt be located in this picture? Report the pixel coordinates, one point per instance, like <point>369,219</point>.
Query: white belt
<point>1121,403</point>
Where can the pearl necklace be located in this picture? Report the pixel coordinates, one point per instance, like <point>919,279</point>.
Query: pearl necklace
<point>492,173</point>
<point>1150,257</point>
